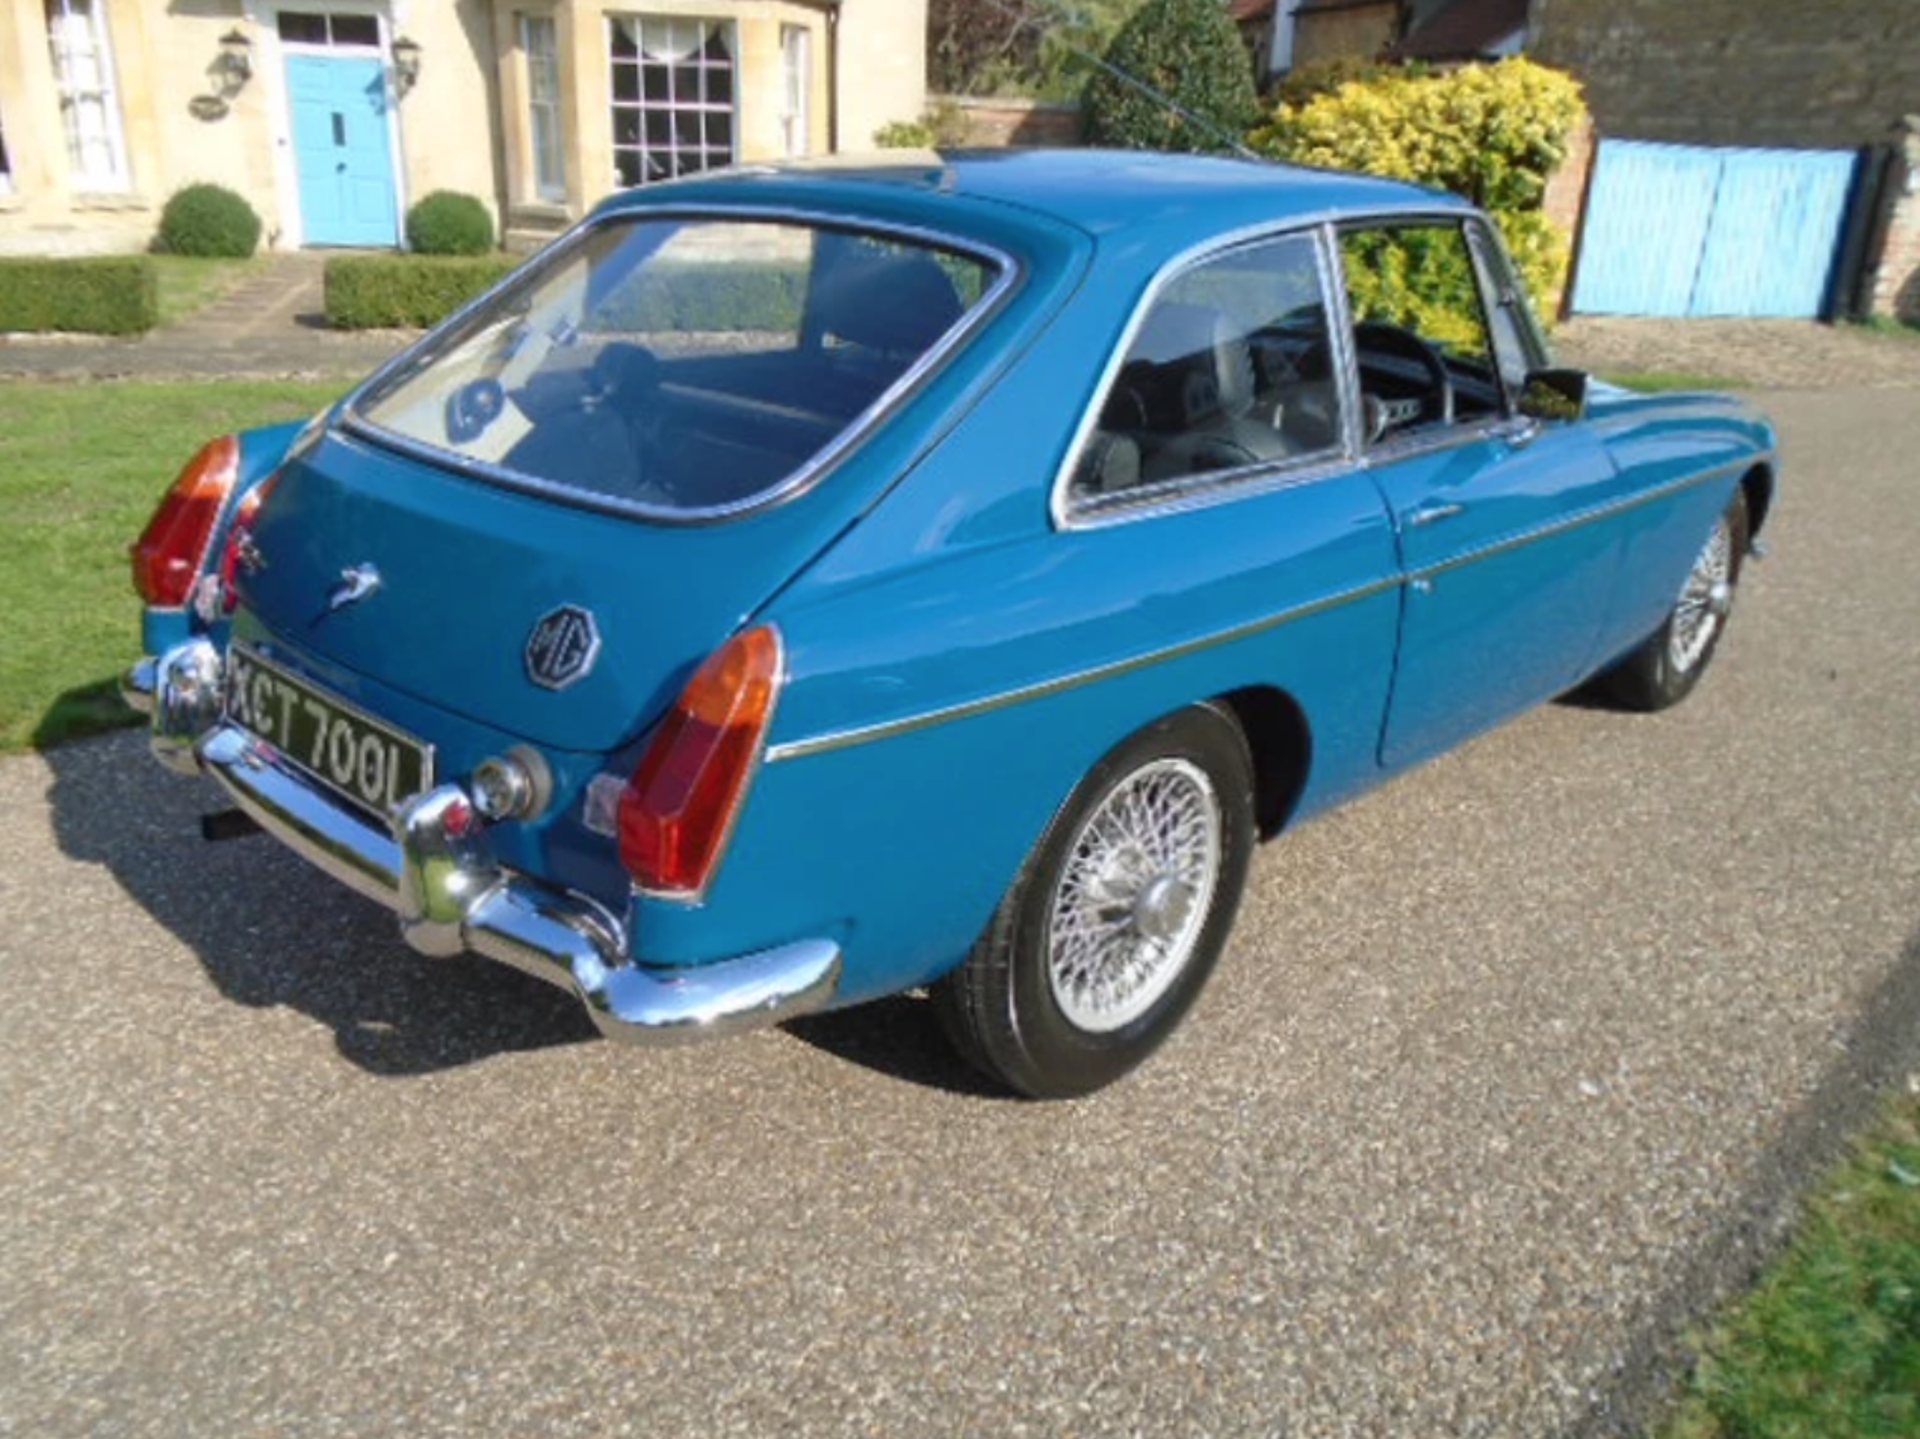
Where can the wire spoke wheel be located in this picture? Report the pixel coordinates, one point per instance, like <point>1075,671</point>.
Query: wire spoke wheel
<point>1704,600</point>
<point>1134,893</point>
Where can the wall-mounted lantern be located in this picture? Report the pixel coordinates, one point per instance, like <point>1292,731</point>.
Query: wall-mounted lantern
<point>235,65</point>
<point>406,64</point>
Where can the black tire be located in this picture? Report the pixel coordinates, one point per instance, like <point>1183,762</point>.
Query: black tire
<point>1669,663</point>
<point>1052,1017</point>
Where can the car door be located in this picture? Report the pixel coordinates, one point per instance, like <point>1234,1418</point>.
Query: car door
<point>1507,568</point>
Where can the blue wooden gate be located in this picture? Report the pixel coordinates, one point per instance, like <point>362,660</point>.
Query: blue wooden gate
<point>1680,230</point>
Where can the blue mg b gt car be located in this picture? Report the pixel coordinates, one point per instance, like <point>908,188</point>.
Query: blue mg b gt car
<point>800,585</point>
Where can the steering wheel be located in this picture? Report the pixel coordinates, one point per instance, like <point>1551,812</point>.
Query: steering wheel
<point>1380,338</point>
<point>1397,340</point>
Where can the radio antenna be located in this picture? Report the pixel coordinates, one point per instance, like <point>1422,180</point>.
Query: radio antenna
<point>1065,21</point>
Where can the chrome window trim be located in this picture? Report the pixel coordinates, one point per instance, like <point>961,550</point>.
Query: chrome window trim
<point>1219,486</point>
<point>1010,272</point>
<point>907,724</point>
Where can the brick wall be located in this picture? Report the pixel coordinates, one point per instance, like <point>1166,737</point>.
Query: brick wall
<point>1893,279</point>
<point>994,122</point>
<point>1738,72</point>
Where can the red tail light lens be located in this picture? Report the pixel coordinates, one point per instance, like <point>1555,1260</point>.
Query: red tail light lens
<point>677,809</point>
<point>169,552</point>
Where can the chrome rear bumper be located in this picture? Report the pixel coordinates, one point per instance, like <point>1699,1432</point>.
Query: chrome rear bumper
<point>435,868</point>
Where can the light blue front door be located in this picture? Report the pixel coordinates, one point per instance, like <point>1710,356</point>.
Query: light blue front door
<point>341,150</point>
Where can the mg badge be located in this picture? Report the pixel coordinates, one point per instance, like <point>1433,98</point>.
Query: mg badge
<point>562,647</point>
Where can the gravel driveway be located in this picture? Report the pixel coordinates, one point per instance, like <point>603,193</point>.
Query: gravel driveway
<point>1771,354</point>
<point>1511,1067</point>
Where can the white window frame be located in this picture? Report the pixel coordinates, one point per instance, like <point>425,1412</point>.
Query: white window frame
<point>699,109</point>
<point>796,89</point>
<point>549,186</point>
<point>97,162</point>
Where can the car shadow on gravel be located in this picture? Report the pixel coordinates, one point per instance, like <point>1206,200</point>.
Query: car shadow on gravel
<point>270,930</point>
<point>900,1038</point>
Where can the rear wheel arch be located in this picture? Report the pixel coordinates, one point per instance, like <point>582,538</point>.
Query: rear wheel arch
<point>1281,744</point>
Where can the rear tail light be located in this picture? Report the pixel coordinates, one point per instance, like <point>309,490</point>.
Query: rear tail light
<point>168,555</point>
<point>676,811</point>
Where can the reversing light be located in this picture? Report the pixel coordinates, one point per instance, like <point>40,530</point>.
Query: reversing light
<point>676,811</point>
<point>168,555</point>
<point>239,552</point>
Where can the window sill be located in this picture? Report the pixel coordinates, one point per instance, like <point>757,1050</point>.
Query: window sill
<point>110,200</point>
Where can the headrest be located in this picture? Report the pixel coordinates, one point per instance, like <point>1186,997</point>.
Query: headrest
<point>897,303</point>
<point>1201,340</point>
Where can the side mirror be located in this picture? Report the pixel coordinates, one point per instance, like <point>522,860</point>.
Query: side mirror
<point>1554,395</point>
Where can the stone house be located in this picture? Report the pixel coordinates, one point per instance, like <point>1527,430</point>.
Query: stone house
<point>332,116</point>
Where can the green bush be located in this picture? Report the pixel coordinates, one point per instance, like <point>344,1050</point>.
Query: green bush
<point>941,125</point>
<point>1493,133</point>
<point>1189,51</point>
<point>367,292</point>
<point>104,295</point>
<point>447,223</point>
<point>209,221</point>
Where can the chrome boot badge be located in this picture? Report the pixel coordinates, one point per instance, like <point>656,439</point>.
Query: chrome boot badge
<point>562,647</point>
<point>356,583</point>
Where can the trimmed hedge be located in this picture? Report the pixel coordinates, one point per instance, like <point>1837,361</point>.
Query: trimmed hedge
<point>375,292</point>
<point>98,295</point>
<point>709,297</point>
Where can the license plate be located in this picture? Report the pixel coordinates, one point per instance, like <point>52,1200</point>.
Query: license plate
<point>367,762</point>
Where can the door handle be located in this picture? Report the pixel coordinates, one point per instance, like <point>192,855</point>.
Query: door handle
<point>339,129</point>
<point>1432,513</point>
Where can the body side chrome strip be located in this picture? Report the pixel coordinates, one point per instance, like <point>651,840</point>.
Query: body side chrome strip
<point>888,729</point>
<point>863,734</point>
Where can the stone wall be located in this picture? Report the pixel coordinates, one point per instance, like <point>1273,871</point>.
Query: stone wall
<point>1738,72</point>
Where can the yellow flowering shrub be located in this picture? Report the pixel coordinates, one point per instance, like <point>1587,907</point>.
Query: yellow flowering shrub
<point>1492,133</point>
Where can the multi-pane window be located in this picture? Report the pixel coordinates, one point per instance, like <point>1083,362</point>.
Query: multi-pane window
<point>89,108</point>
<point>540,45</point>
<point>334,31</point>
<point>673,83</point>
<point>796,80</point>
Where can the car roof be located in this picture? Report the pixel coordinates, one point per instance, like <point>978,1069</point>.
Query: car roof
<point>1169,201</point>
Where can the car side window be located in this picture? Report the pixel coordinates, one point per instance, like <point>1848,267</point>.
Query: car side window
<point>1229,369</point>
<point>1420,335</point>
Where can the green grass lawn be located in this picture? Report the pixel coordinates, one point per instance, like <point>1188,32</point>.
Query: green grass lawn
<point>1828,1345</point>
<point>81,469</point>
<point>1656,381</point>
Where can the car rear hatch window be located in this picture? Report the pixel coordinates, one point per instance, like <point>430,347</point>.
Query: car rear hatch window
<point>682,366</point>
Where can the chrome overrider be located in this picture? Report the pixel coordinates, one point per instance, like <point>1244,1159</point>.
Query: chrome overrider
<point>435,868</point>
